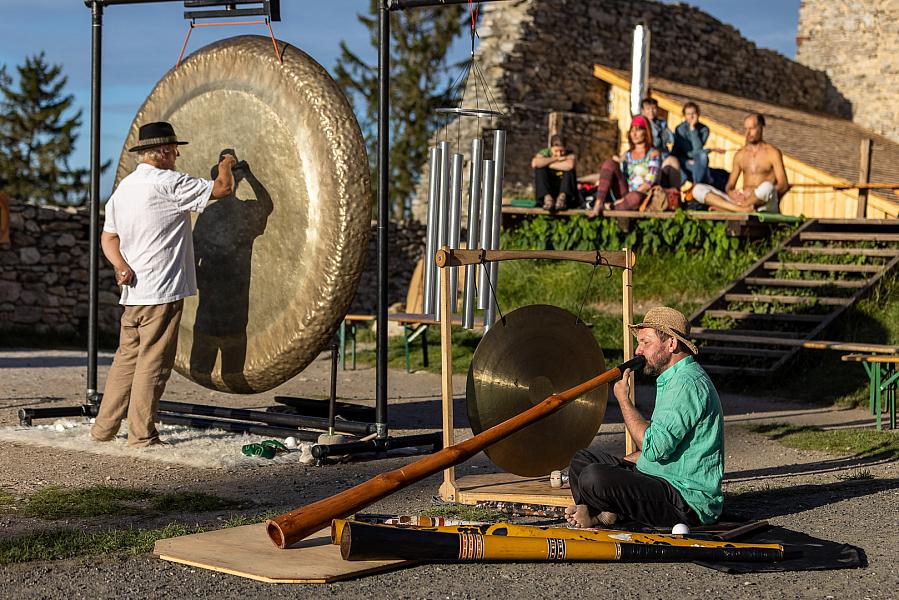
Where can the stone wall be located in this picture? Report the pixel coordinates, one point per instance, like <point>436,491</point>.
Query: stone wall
<point>406,242</point>
<point>857,44</point>
<point>44,273</point>
<point>537,57</point>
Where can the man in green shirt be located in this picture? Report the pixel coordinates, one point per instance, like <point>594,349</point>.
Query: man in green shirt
<point>675,476</point>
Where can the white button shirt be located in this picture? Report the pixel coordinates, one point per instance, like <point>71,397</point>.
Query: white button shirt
<point>148,211</point>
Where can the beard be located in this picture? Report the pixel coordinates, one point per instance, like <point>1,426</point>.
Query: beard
<point>656,363</point>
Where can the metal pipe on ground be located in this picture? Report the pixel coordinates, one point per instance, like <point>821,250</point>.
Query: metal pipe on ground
<point>320,451</point>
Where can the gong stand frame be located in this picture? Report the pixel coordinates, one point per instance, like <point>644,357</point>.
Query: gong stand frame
<point>448,258</point>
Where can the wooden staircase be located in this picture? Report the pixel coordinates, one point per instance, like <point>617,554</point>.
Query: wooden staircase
<point>786,299</point>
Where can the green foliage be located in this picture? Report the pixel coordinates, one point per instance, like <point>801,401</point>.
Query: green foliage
<point>648,236</point>
<point>855,442</point>
<point>419,83</point>
<point>37,136</point>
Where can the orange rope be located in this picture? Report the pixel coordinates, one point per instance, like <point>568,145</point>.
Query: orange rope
<point>265,22</point>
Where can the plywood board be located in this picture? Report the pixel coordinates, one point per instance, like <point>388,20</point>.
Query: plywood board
<point>248,552</point>
<point>506,487</point>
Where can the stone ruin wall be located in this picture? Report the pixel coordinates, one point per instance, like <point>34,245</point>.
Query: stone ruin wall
<point>537,58</point>
<point>44,275</point>
<point>857,44</point>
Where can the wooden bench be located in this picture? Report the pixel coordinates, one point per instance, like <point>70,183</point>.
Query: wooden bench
<point>883,380</point>
<point>415,326</point>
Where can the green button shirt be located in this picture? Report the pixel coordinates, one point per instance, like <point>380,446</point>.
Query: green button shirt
<point>684,443</point>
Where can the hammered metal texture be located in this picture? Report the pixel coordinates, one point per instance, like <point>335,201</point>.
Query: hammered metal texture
<point>278,263</point>
<point>536,351</point>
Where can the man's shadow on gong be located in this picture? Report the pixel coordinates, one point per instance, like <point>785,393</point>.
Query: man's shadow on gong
<point>223,235</point>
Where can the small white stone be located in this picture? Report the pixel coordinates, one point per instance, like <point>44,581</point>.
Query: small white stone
<point>680,529</point>
<point>290,442</point>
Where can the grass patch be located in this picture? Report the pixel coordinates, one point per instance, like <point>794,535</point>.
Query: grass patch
<point>190,502</point>
<point>867,443</point>
<point>57,502</point>
<point>465,512</point>
<point>7,500</point>
<point>71,543</point>
<point>861,475</point>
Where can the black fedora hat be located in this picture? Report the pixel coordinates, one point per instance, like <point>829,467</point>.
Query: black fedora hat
<point>155,134</point>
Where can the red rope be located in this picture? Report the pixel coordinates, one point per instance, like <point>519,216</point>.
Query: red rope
<point>474,13</point>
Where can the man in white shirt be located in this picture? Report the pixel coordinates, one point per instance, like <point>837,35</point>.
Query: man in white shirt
<point>147,238</point>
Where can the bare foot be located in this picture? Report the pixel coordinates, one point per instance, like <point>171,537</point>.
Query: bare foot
<point>581,516</point>
<point>547,202</point>
<point>562,201</point>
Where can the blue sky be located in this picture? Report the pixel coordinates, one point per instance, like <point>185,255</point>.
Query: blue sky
<point>141,42</point>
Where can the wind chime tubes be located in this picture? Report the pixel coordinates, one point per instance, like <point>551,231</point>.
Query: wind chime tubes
<point>484,212</point>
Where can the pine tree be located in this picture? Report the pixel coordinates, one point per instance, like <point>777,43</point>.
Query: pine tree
<point>37,136</point>
<point>419,83</point>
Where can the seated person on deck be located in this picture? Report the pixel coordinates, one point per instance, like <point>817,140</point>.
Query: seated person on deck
<point>689,148</point>
<point>675,476</point>
<point>672,177</point>
<point>764,176</point>
<point>630,180</point>
<point>555,180</point>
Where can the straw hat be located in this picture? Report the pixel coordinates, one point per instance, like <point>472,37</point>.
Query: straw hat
<point>670,321</point>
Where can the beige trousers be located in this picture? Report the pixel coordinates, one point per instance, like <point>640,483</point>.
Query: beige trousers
<point>142,365</point>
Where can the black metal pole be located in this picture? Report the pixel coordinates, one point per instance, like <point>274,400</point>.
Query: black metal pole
<point>92,393</point>
<point>406,4</point>
<point>383,213</point>
<point>332,398</point>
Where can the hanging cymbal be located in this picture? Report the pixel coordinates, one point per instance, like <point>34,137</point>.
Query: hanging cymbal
<point>278,262</point>
<point>534,352</point>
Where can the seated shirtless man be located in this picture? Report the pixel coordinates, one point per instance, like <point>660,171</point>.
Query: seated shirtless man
<point>675,476</point>
<point>764,177</point>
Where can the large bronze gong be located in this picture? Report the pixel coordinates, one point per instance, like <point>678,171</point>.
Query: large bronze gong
<point>278,262</point>
<point>534,352</point>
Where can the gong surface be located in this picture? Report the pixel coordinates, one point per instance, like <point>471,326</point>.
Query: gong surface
<point>534,352</point>
<point>278,262</point>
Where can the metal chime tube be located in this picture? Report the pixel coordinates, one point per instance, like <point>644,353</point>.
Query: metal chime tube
<point>486,233</point>
<point>443,211</point>
<point>499,159</point>
<point>454,224</point>
<point>430,269</point>
<point>474,219</point>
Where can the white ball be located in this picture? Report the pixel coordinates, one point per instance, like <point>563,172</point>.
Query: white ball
<point>290,442</point>
<point>680,529</point>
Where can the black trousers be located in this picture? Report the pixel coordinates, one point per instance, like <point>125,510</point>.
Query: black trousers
<point>547,181</point>
<point>606,483</point>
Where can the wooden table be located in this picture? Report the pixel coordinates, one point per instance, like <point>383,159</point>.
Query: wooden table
<point>883,377</point>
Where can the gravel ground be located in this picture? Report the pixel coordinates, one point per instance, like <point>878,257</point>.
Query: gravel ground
<point>806,491</point>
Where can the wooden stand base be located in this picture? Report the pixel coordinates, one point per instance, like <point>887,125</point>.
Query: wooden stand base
<point>505,487</point>
<point>248,552</point>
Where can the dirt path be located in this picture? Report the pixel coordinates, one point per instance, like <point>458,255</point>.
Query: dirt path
<point>808,491</point>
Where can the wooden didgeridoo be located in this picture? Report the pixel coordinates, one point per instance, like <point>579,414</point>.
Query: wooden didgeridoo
<point>289,528</point>
<point>360,541</point>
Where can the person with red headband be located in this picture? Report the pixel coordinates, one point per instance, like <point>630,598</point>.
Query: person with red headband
<point>631,180</point>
